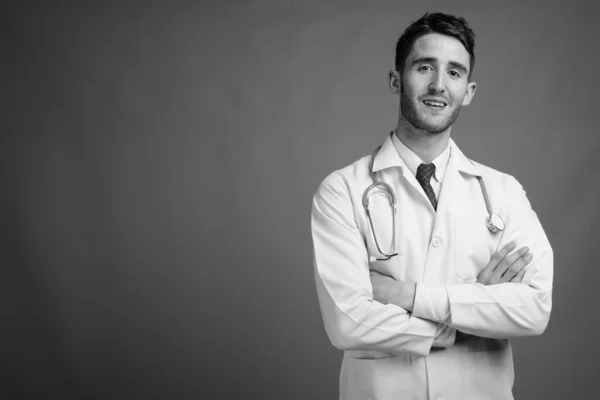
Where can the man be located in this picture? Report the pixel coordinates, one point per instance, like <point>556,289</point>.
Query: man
<point>423,300</point>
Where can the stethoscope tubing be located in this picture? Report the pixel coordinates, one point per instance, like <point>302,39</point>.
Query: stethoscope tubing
<point>494,223</point>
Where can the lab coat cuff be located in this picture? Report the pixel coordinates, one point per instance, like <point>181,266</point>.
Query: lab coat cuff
<point>431,302</point>
<point>461,305</point>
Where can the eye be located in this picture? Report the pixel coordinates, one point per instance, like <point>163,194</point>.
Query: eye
<point>454,73</point>
<point>425,68</point>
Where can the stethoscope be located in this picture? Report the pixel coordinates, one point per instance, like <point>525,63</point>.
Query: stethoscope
<point>494,223</point>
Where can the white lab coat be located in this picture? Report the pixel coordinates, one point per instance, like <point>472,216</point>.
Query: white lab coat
<point>390,353</point>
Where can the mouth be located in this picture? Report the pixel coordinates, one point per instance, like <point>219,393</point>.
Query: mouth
<point>435,104</point>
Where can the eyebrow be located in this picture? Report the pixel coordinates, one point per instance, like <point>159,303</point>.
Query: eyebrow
<point>453,64</point>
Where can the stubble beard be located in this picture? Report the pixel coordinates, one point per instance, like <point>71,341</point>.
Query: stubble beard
<point>411,114</point>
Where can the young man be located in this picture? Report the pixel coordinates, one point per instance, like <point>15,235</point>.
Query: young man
<point>426,262</point>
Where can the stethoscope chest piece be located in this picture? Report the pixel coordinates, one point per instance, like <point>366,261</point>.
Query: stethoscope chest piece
<point>495,223</point>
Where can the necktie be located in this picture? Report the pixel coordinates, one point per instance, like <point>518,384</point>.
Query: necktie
<point>424,173</point>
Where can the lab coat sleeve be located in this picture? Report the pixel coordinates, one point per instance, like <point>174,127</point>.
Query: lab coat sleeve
<point>387,290</point>
<point>352,319</point>
<point>504,310</point>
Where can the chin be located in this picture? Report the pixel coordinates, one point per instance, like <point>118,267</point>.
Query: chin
<point>436,131</point>
<point>433,128</point>
<point>423,121</point>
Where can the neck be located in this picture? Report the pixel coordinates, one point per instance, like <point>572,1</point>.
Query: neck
<point>424,144</point>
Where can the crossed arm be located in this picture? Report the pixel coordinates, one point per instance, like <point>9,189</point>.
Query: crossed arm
<point>503,267</point>
<point>366,312</point>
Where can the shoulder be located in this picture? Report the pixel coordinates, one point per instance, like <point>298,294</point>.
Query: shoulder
<point>341,181</point>
<point>497,178</point>
<point>336,197</point>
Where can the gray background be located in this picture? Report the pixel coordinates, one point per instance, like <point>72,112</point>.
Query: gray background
<point>158,164</point>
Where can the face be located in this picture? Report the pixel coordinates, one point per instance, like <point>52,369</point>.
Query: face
<point>434,84</point>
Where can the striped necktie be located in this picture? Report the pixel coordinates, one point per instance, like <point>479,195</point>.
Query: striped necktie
<point>424,173</point>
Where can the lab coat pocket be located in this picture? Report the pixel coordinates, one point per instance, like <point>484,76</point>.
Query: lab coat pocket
<point>473,246</point>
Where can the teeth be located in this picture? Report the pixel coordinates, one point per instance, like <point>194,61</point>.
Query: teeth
<point>434,103</point>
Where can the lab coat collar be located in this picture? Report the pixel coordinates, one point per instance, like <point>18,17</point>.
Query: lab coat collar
<point>412,161</point>
<point>388,157</point>
<point>461,162</point>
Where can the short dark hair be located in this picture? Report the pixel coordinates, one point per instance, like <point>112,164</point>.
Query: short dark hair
<point>445,24</point>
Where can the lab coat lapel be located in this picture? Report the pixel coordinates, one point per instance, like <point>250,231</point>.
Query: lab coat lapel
<point>454,200</point>
<point>388,157</point>
<point>454,194</point>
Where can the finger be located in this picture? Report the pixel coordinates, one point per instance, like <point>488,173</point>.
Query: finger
<point>507,248</point>
<point>508,261</point>
<point>497,258</point>
<point>517,267</point>
<point>522,252</point>
<point>519,277</point>
<point>512,261</point>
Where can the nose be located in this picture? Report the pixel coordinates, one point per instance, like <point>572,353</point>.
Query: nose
<point>438,82</point>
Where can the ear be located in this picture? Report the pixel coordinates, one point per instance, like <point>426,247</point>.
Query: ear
<point>471,87</point>
<point>394,81</point>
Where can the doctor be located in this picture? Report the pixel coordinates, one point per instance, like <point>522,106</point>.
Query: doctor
<point>423,300</point>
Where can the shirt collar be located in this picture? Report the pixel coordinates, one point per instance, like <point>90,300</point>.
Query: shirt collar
<point>412,161</point>
<point>388,156</point>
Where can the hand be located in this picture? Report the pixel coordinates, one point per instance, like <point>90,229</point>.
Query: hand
<point>506,268</point>
<point>382,285</point>
<point>387,290</point>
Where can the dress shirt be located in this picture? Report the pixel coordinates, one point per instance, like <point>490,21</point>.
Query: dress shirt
<point>412,161</point>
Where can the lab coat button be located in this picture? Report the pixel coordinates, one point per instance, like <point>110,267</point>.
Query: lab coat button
<point>437,241</point>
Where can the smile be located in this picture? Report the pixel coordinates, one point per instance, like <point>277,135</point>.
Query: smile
<point>438,105</point>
